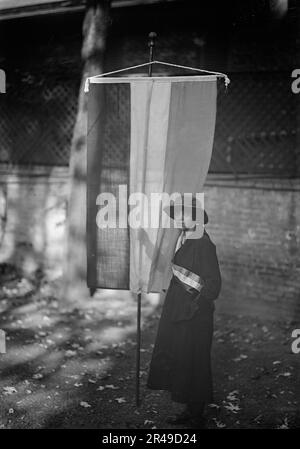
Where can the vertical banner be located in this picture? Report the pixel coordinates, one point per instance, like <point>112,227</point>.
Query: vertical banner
<point>145,137</point>
<point>108,166</point>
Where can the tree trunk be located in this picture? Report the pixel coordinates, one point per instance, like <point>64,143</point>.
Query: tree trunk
<point>95,27</point>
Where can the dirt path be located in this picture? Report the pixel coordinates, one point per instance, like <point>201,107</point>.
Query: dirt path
<point>76,369</point>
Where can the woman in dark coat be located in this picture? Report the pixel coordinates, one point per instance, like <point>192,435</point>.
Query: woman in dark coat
<point>181,358</point>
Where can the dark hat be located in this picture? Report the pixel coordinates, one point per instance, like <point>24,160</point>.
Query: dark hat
<point>196,205</point>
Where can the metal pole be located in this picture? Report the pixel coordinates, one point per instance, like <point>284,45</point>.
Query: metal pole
<point>151,43</point>
<point>152,36</point>
<point>138,346</point>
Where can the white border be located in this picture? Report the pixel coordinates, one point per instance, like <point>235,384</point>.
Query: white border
<point>131,79</point>
<point>128,79</point>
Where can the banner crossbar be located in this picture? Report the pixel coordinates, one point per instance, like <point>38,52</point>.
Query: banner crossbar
<point>101,77</point>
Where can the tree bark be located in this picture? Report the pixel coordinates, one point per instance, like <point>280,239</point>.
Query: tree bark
<point>95,28</point>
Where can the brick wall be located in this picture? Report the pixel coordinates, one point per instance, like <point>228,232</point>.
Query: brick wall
<point>256,227</point>
<point>254,223</point>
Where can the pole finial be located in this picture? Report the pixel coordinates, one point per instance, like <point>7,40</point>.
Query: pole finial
<point>151,42</point>
<point>152,36</point>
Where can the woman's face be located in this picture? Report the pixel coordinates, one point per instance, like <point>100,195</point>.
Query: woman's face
<point>187,222</point>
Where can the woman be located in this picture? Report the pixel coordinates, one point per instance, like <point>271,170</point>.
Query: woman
<point>181,360</point>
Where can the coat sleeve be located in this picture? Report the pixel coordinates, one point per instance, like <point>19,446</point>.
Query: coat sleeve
<point>209,270</point>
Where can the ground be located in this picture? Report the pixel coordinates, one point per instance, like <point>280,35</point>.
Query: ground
<point>76,367</point>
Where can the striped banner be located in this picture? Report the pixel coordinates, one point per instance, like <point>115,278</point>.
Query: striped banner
<point>147,135</point>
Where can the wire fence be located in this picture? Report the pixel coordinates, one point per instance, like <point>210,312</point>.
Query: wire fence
<point>256,128</point>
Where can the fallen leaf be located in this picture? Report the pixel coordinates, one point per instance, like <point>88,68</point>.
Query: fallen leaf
<point>232,396</point>
<point>241,357</point>
<point>70,353</point>
<point>286,374</point>
<point>147,421</point>
<point>284,425</point>
<point>9,390</point>
<point>232,407</point>
<point>214,406</point>
<point>85,404</point>
<point>219,424</point>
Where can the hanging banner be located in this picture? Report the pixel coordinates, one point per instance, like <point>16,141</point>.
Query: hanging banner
<point>147,137</point>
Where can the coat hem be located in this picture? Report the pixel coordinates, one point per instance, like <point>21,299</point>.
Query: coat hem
<point>208,399</point>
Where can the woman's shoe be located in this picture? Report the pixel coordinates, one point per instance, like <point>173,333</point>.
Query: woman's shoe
<point>181,418</point>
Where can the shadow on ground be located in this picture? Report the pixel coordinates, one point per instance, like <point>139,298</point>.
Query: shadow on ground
<point>76,368</point>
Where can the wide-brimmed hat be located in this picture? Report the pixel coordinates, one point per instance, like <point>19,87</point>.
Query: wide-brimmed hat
<point>193,206</point>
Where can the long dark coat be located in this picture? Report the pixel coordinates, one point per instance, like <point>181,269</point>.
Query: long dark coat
<point>181,358</point>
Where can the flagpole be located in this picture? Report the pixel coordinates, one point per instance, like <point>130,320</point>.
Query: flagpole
<point>138,347</point>
<point>152,36</point>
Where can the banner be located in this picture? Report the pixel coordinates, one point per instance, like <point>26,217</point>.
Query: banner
<point>146,136</point>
